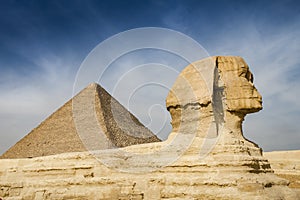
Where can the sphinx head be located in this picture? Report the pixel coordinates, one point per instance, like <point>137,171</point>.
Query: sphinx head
<point>240,95</point>
<point>211,88</point>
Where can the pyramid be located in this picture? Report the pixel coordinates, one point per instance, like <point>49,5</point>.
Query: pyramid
<point>74,128</point>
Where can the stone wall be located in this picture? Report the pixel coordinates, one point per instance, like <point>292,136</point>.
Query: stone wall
<point>81,176</point>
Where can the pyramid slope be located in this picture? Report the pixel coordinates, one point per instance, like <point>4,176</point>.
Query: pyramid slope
<point>122,127</point>
<point>58,134</point>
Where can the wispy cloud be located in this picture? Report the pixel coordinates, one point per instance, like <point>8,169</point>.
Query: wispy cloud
<point>26,100</point>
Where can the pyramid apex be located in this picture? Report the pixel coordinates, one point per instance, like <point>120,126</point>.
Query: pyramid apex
<point>94,84</point>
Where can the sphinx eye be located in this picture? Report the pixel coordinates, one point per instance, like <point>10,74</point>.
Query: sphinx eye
<point>249,76</point>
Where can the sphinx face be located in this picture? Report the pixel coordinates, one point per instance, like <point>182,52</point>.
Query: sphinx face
<point>191,100</point>
<point>239,92</point>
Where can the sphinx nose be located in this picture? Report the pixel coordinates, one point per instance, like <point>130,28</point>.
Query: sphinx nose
<point>256,94</point>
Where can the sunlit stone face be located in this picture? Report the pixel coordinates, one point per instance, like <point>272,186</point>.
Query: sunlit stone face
<point>239,91</point>
<point>232,89</point>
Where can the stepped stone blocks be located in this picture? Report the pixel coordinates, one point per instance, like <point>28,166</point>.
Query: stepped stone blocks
<point>208,103</point>
<point>59,132</point>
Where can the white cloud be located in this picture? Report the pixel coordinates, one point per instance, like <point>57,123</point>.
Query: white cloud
<point>26,101</point>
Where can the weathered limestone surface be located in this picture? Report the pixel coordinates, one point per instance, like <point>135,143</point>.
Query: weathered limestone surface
<point>205,157</point>
<point>92,119</point>
<point>286,164</point>
<point>81,176</point>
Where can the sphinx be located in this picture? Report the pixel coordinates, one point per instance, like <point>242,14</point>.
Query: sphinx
<point>210,99</point>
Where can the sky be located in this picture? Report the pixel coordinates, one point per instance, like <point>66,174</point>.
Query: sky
<point>44,43</point>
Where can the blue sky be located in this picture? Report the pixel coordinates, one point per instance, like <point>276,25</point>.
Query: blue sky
<point>43,43</point>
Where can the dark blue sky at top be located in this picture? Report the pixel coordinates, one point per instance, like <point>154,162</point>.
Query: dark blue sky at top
<point>48,40</point>
<point>33,28</point>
